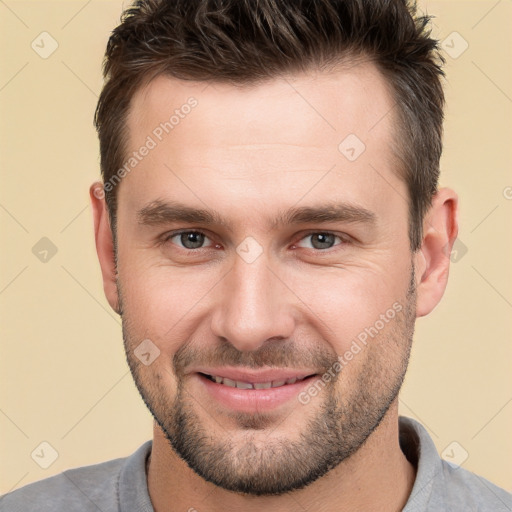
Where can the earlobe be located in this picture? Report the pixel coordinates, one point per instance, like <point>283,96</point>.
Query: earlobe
<point>104,244</point>
<point>432,262</point>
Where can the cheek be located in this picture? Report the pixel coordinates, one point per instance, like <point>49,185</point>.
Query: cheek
<point>346,304</point>
<point>161,302</point>
<point>169,304</point>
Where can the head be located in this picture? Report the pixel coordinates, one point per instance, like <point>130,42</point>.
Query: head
<point>270,200</point>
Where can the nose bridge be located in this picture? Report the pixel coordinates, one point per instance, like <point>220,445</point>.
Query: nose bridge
<point>252,306</point>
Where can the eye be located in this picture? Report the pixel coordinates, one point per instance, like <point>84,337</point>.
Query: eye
<point>189,239</point>
<point>320,240</point>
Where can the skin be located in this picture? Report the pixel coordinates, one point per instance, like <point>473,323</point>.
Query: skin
<point>249,154</point>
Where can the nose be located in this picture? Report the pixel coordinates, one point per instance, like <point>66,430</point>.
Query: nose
<point>253,306</point>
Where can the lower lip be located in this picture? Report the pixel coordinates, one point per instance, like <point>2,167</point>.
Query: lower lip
<point>254,400</point>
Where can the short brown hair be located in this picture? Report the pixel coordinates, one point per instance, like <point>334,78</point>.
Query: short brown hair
<point>248,41</point>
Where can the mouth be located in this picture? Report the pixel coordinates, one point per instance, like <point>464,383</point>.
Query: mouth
<point>239,384</point>
<point>253,393</point>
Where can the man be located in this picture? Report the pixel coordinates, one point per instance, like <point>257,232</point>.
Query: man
<point>269,226</point>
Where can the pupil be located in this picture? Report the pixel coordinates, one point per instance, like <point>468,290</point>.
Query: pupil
<point>192,240</point>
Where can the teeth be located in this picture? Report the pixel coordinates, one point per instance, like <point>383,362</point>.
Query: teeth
<point>229,382</point>
<point>262,385</point>
<point>256,385</point>
<point>243,385</point>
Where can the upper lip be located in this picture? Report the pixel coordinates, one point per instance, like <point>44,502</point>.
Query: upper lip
<point>270,375</point>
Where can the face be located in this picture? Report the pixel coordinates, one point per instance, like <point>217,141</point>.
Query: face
<point>253,247</point>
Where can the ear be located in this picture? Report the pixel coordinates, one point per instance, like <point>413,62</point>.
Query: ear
<point>104,244</point>
<point>432,261</point>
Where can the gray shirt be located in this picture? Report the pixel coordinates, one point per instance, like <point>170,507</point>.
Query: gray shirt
<point>121,484</point>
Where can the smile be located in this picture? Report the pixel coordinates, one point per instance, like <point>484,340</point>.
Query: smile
<point>252,385</point>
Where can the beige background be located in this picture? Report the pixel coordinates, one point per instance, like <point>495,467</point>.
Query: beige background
<point>64,379</point>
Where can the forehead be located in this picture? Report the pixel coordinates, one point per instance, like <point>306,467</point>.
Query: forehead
<point>353,98</point>
<point>274,140</point>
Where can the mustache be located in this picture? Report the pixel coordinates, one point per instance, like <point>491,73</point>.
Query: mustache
<point>274,354</point>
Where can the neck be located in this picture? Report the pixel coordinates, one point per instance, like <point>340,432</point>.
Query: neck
<point>377,477</point>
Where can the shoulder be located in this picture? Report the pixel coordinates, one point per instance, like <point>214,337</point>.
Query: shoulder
<point>461,489</point>
<point>84,489</point>
<point>441,486</point>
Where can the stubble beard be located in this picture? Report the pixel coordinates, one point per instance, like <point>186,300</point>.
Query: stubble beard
<point>259,462</point>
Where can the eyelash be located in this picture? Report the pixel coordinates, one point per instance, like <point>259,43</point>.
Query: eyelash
<point>343,239</point>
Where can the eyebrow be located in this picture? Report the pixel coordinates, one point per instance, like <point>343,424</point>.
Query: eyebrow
<point>160,212</point>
